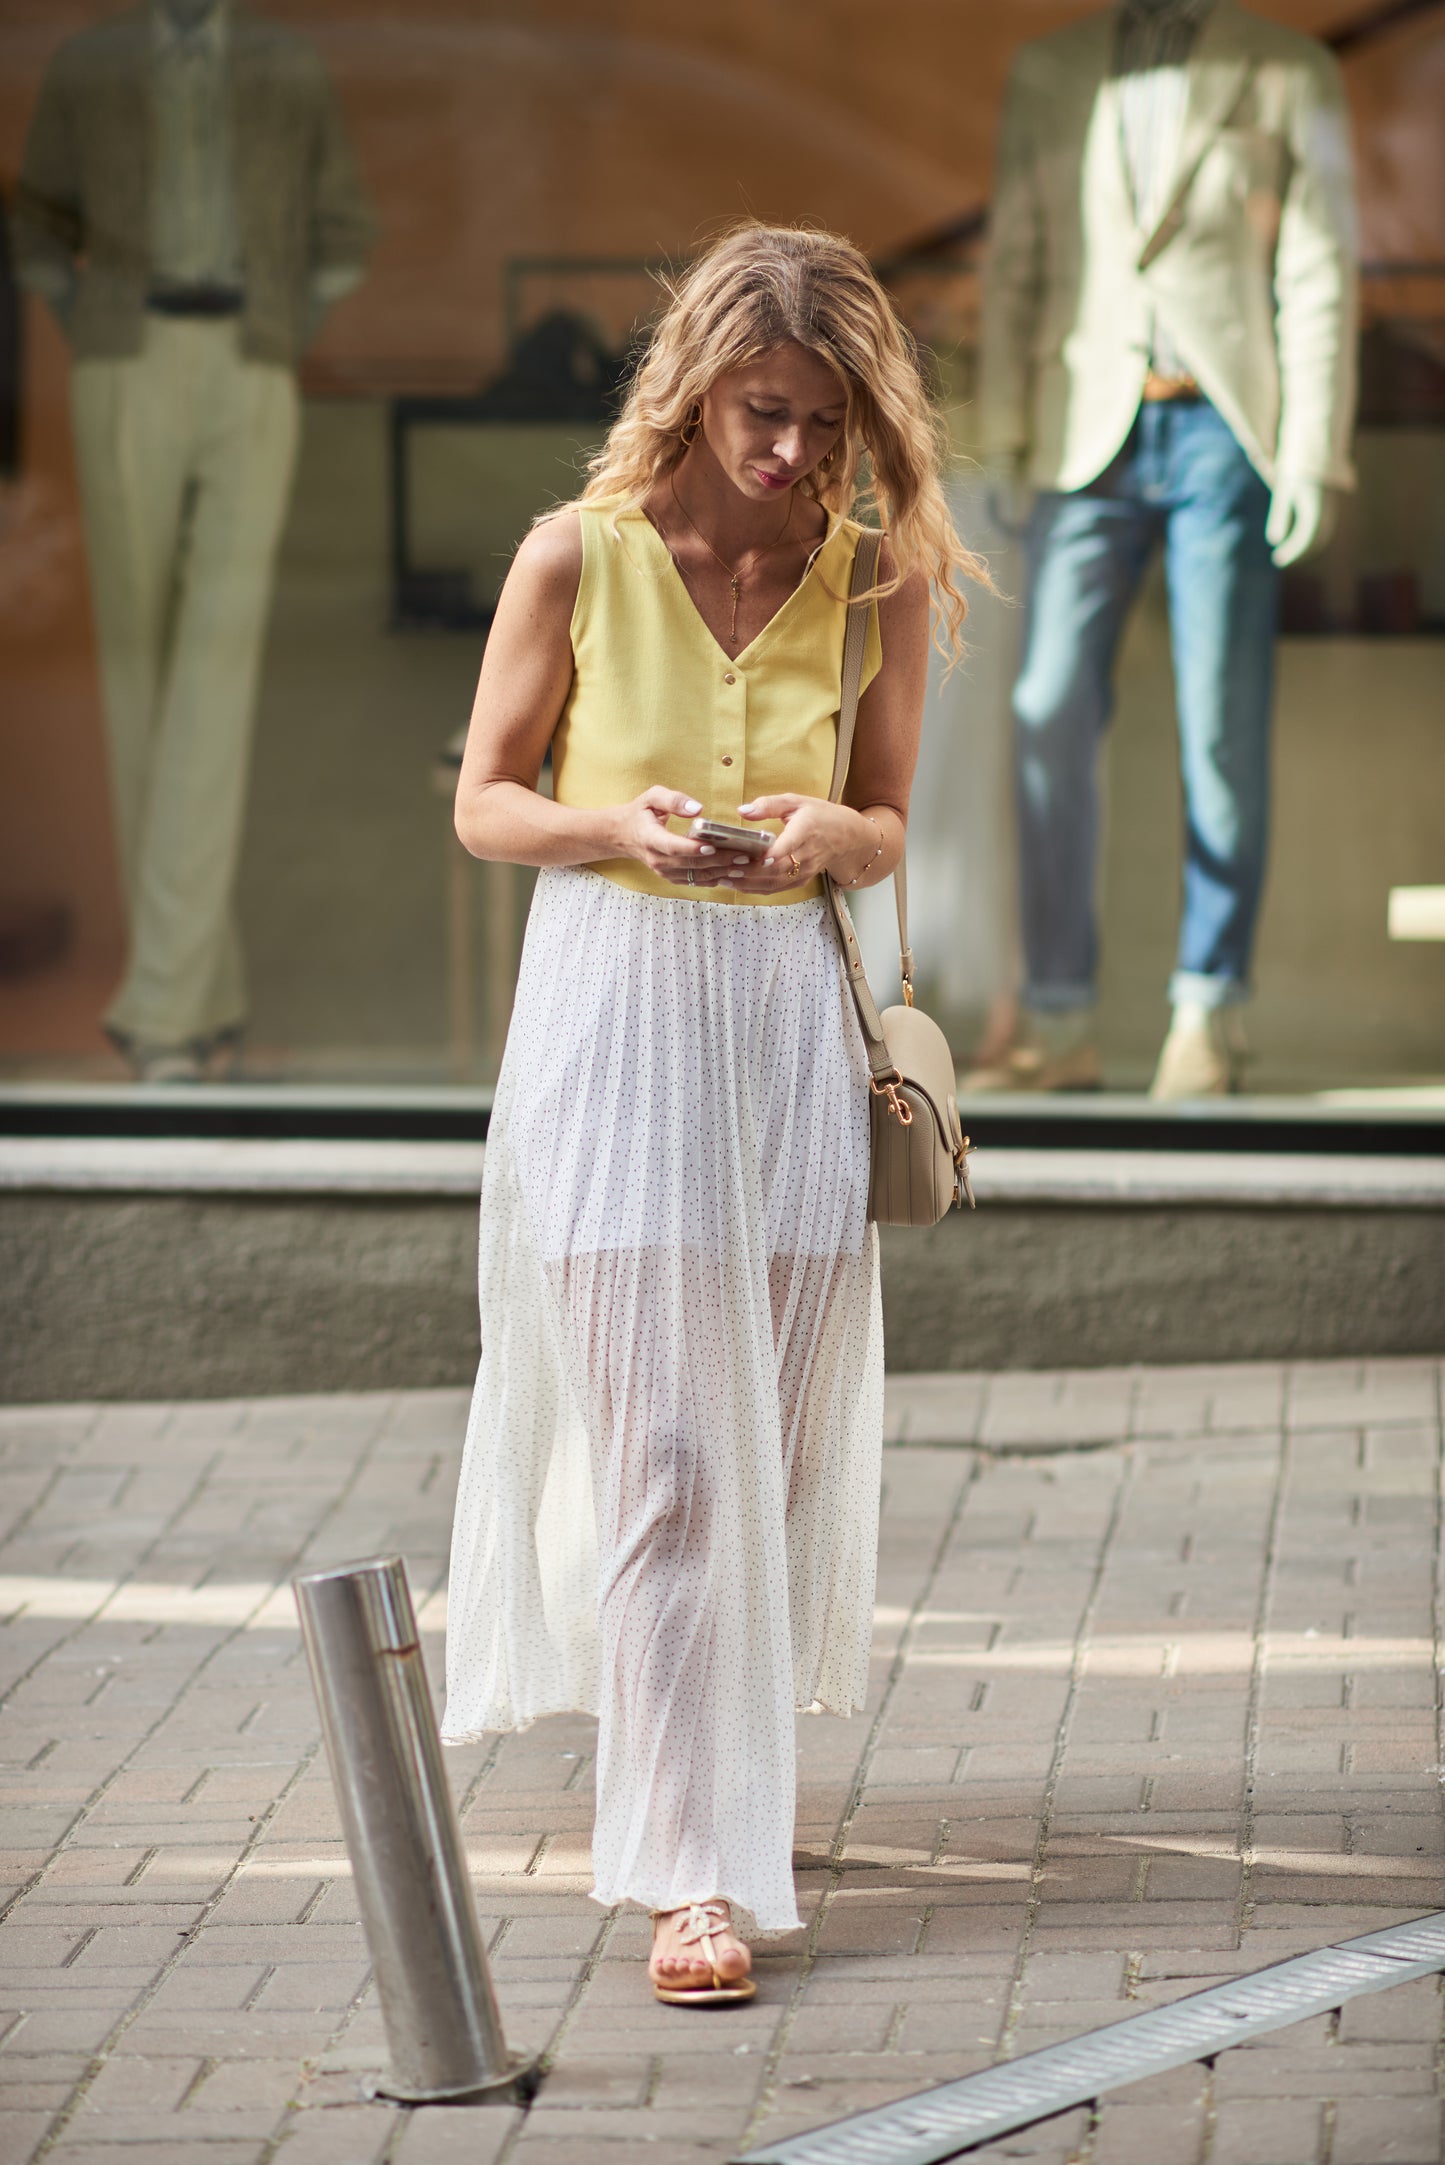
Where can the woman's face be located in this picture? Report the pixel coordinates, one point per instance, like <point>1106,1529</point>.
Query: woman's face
<point>769,424</point>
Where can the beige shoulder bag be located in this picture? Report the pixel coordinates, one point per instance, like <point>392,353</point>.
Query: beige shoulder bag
<point>919,1164</point>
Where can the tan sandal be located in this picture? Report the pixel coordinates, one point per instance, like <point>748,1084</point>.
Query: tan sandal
<point>703,1919</point>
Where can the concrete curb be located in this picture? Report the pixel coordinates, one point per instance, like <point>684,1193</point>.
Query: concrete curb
<point>206,1166</point>
<point>144,1268</point>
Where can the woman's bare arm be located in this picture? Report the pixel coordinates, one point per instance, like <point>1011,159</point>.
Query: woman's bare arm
<point>526,676</point>
<point>890,719</point>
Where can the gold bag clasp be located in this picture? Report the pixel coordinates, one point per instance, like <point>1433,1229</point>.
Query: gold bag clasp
<point>899,1107</point>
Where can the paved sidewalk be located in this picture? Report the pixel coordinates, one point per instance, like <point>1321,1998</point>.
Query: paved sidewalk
<point>1143,1715</point>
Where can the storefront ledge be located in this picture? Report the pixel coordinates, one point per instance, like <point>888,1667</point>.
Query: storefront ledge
<point>198,1166</point>
<point>195,1165</point>
<point>1253,1179</point>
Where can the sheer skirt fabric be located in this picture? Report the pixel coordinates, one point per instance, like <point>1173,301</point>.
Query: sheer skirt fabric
<point>668,1504</point>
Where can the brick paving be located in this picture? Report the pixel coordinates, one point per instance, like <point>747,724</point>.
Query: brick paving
<point>1153,1703</point>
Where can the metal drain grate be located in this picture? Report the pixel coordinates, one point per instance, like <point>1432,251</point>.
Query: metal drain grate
<point>939,2123</point>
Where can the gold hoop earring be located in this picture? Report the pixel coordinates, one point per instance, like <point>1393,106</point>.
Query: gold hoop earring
<point>688,432</point>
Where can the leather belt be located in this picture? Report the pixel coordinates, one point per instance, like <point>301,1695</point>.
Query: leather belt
<point>196,300</point>
<point>1159,390</point>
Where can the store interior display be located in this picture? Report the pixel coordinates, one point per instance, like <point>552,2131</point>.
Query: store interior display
<point>340,298</point>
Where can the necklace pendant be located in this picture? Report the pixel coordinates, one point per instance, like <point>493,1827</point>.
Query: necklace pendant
<point>735,583</point>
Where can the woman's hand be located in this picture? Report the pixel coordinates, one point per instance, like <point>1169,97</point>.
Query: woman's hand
<point>817,836</point>
<point>642,832</point>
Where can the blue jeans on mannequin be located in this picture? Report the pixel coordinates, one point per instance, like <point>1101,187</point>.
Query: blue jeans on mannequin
<point>1180,478</point>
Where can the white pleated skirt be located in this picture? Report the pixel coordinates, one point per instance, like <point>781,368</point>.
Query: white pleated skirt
<point>668,1505</point>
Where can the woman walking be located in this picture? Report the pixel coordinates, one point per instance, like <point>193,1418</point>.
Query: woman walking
<point>668,1506</point>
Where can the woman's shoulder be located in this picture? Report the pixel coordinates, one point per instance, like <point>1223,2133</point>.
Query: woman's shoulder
<point>549,559</point>
<point>566,538</point>
<point>553,546</point>
<point>848,532</point>
<point>568,557</point>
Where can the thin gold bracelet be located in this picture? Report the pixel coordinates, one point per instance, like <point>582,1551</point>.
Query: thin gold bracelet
<point>876,854</point>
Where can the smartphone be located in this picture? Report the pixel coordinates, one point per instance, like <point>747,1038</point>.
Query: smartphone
<point>721,836</point>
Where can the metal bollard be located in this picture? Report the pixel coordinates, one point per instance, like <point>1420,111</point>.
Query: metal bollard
<point>400,1825</point>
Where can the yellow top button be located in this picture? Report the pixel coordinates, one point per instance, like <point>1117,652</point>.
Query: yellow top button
<point>727,759</point>
<point>730,678</point>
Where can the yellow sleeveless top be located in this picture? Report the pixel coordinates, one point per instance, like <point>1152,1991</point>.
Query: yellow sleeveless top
<point>655,700</point>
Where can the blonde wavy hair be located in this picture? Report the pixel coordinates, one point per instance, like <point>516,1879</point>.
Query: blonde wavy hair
<point>751,291</point>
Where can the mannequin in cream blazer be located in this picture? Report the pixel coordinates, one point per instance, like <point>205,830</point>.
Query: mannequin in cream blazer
<point>1251,268</point>
<point>1181,373</point>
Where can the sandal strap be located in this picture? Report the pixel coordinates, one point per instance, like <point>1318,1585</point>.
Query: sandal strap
<point>702,1920</point>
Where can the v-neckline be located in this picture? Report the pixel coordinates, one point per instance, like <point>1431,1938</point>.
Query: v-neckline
<point>834,521</point>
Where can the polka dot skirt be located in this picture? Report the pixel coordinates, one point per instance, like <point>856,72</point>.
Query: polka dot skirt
<point>668,1505</point>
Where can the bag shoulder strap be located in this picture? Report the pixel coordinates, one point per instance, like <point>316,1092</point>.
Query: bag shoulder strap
<point>855,640</point>
<point>865,569</point>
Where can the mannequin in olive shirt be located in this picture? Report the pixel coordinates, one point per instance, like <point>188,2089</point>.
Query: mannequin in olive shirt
<point>170,254</point>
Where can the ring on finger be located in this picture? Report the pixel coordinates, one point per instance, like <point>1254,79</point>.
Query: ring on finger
<point>792,860</point>
<point>691,881</point>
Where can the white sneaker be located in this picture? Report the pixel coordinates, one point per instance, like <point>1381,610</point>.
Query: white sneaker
<point>1195,1062</point>
<point>166,1064</point>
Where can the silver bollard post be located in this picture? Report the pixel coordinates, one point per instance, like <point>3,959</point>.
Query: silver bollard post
<point>400,1825</point>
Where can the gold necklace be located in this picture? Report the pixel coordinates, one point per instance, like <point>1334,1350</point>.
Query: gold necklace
<point>735,578</point>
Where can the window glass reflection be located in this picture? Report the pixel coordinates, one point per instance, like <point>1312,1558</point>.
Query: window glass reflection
<point>308,311</point>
